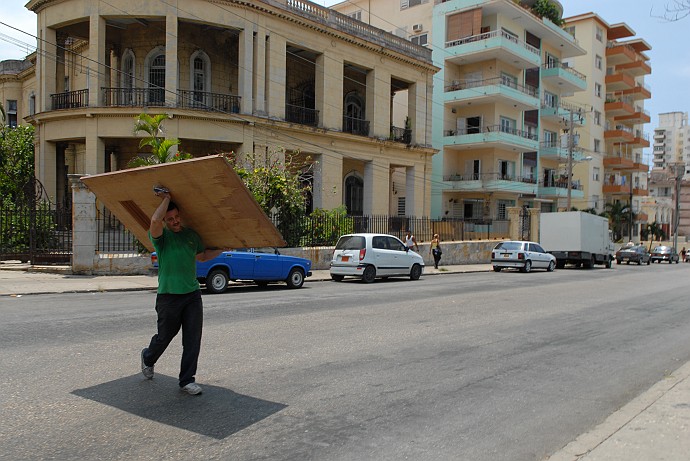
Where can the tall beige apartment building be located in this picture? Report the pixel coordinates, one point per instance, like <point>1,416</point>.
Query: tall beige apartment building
<point>498,109</point>
<point>614,137</point>
<point>233,76</point>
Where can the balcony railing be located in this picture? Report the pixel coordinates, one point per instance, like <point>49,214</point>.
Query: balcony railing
<point>215,102</point>
<point>468,84</point>
<point>401,134</point>
<point>355,126</point>
<point>133,97</point>
<point>490,177</point>
<point>493,129</point>
<point>558,64</point>
<point>69,100</point>
<point>301,115</point>
<point>493,34</point>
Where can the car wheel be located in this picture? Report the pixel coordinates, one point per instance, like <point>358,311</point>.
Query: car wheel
<point>608,263</point>
<point>369,274</point>
<point>497,269</point>
<point>295,278</point>
<point>527,267</point>
<point>618,261</point>
<point>560,264</point>
<point>647,262</point>
<point>217,281</point>
<point>337,278</point>
<point>552,266</point>
<point>416,272</point>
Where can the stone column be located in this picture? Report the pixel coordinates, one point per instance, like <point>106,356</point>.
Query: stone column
<point>514,222</point>
<point>328,181</point>
<point>329,91</point>
<point>534,219</point>
<point>46,68</point>
<point>84,227</point>
<point>94,155</point>
<point>276,75</point>
<point>378,102</point>
<point>246,65</point>
<point>96,69</point>
<point>171,67</point>
<point>411,208</point>
<point>376,187</point>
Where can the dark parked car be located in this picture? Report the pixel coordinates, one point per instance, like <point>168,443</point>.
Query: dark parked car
<point>664,253</point>
<point>633,254</point>
<point>260,265</point>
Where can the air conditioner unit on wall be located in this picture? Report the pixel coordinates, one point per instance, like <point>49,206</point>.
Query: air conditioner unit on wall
<point>417,27</point>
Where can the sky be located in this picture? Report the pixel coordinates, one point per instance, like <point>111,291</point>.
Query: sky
<point>669,57</point>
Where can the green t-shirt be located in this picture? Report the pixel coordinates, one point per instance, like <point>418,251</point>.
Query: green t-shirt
<point>176,253</point>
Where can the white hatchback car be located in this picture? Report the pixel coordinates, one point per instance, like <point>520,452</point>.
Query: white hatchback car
<point>369,256</point>
<point>521,255</point>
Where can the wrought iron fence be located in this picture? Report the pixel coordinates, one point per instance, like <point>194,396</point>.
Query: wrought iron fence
<point>113,237</point>
<point>38,234</point>
<point>320,230</point>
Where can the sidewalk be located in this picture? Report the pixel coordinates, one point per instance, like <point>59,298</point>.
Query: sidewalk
<point>655,426</point>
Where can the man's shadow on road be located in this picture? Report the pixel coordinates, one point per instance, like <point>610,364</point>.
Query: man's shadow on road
<point>217,412</point>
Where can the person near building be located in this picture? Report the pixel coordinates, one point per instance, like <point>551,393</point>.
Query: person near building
<point>683,253</point>
<point>410,241</point>
<point>435,250</point>
<point>178,302</point>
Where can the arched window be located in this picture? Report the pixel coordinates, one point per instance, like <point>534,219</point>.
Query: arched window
<point>127,77</point>
<point>200,78</point>
<point>155,76</point>
<point>354,194</point>
<point>354,117</point>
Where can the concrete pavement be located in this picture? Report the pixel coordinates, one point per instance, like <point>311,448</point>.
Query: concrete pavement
<point>655,426</point>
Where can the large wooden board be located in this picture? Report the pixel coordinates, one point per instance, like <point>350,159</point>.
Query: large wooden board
<point>210,196</point>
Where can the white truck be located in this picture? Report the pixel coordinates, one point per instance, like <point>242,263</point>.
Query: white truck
<point>578,238</point>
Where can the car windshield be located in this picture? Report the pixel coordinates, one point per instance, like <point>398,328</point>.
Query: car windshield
<point>350,242</point>
<point>509,246</point>
<point>662,249</point>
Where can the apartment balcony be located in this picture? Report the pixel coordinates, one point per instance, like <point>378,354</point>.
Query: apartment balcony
<point>492,91</point>
<point>618,53</point>
<point>640,140</point>
<point>69,100</point>
<point>489,182</point>
<point>623,190</point>
<point>498,45</point>
<point>619,134</point>
<point>660,136</point>
<point>568,79</point>
<point>403,135</point>
<point>493,136</point>
<point>558,188</point>
<point>619,82</point>
<point>617,106</point>
<point>561,112</point>
<point>356,126</point>
<point>638,93</point>
<point>555,150</point>
<point>301,115</point>
<point>625,162</point>
<point>635,68</point>
<point>640,116</point>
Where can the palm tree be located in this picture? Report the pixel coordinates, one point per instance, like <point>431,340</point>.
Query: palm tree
<point>160,146</point>
<point>618,213</point>
<point>655,230</point>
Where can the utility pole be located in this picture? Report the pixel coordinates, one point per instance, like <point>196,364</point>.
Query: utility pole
<point>678,171</point>
<point>571,146</point>
<point>570,161</point>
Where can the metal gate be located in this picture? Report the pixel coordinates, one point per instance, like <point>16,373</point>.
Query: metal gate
<point>34,230</point>
<point>525,223</point>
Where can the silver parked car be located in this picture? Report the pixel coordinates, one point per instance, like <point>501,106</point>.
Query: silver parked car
<point>371,256</point>
<point>521,255</point>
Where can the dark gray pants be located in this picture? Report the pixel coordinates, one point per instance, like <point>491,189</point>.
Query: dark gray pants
<point>175,312</point>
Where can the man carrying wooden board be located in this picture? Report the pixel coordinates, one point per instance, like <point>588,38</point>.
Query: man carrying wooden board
<point>178,302</point>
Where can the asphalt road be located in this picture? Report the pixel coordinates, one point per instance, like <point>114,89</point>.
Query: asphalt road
<point>482,366</point>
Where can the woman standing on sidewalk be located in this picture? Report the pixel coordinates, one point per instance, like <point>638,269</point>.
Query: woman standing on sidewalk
<point>435,250</point>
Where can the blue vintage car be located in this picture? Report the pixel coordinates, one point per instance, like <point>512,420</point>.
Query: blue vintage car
<point>260,265</point>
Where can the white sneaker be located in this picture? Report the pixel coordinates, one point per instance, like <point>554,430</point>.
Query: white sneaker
<point>191,389</point>
<point>146,370</point>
